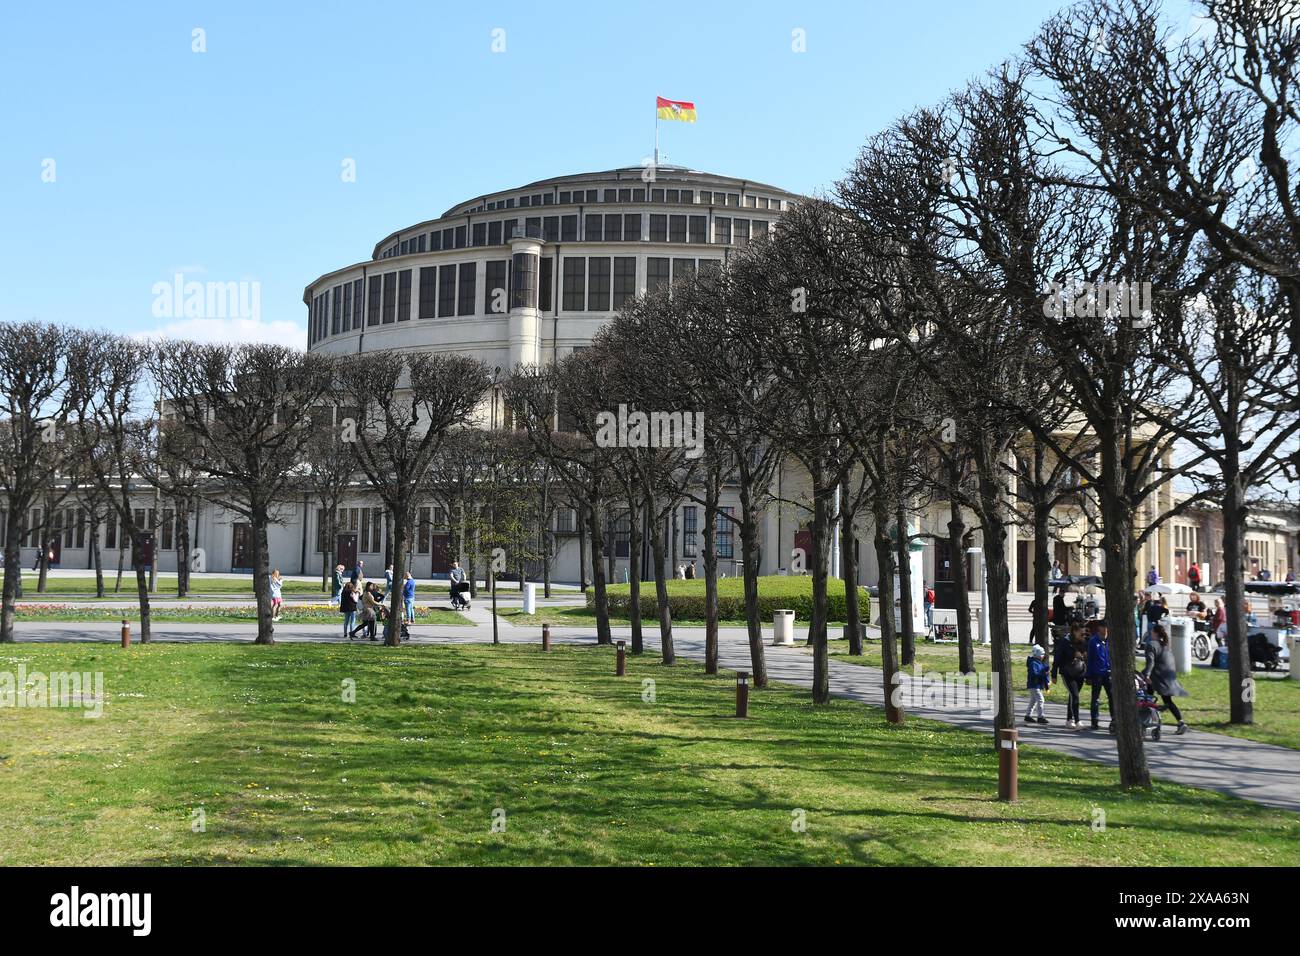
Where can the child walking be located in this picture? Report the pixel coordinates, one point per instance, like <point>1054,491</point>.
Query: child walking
<point>1039,680</point>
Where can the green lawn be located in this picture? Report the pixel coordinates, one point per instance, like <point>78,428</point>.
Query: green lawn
<point>581,617</point>
<point>84,587</point>
<point>245,614</point>
<point>584,769</point>
<point>1277,699</point>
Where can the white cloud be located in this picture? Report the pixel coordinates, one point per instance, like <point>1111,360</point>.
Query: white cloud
<point>230,330</point>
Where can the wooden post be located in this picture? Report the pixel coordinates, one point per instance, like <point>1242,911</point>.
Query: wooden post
<point>546,637</point>
<point>1009,765</point>
<point>126,633</point>
<point>620,669</point>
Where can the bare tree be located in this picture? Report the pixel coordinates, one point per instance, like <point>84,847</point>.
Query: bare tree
<point>406,406</point>
<point>246,407</point>
<point>46,373</point>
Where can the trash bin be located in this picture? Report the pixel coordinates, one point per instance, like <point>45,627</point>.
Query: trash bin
<point>530,598</point>
<point>1180,638</point>
<point>1294,640</point>
<point>782,628</point>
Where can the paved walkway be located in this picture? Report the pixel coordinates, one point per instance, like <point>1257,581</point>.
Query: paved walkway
<point>1259,772</point>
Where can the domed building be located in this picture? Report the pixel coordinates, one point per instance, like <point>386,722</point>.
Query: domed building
<point>530,273</point>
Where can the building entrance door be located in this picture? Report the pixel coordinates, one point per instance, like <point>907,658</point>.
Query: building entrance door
<point>241,547</point>
<point>345,550</point>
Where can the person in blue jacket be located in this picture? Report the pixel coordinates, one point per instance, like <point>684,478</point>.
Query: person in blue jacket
<point>408,596</point>
<point>1038,682</point>
<point>1099,671</point>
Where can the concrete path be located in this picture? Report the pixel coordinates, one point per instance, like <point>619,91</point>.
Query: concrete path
<point>1259,772</point>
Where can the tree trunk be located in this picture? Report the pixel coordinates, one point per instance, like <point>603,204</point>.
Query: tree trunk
<point>894,712</point>
<point>849,564</point>
<point>957,559</point>
<point>97,556</point>
<point>904,553</point>
<point>183,556</point>
<point>713,494</point>
<point>634,572</point>
<point>601,601</point>
<point>1241,707</point>
<point>401,543</point>
<point>1042,569</point>
<point>121,559</point>
<point>749,550</point>
<point>821,529</point>
<point>1117,544</point>
<point>582,551</point>
<point>261,582</point>
<point>659,548</point>
<point>999,586</point>
<point>13,571</point>
<point>142,592</point>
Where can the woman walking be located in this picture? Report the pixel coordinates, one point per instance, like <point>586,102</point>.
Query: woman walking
<point>369,612</point>
<point>348,605</point>
<point>1070,662</point>
<point>1161,672</point>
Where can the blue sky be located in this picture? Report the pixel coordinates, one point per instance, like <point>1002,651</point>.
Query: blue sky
<point>226,164</point>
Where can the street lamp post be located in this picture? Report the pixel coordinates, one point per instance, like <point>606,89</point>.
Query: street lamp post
<point>985,636</point>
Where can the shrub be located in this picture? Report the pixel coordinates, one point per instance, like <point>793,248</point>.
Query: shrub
<point>686,598</point>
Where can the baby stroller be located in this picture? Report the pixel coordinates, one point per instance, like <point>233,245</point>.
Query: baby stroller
<point>459,592</point>
<point>1263,653</point>
<point>1148,708</point>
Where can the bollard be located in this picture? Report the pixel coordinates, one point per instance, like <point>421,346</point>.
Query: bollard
<point>546,637</point>
<point>1009,765</point>
<point>126,633</point>
<point>620,669</point>
<point>742,693</point>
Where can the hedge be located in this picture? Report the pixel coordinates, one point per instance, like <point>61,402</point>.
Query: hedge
<point>686,598</point>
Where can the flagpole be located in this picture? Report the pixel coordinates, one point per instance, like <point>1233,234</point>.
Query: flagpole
<point>656,137</point>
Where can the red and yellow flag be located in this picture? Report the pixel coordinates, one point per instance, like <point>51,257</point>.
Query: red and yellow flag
<point>675,110</point>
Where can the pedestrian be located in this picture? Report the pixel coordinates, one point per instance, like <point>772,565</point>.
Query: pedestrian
<point>1161,672</point>
<point>690,571</point>
<point>1098,672</point>
<point>1155,611</point>
<point>1195,607</point>
<point>1194,577</point>
<point>369,611</point>
<point>1037,683</point>
<point>277,601</point>
<point>388,578</point>
<point>408,596</point>
<point>1290,576</point>
<point>336,588</point>
<point>1060,610</point>
<point>457,578</point>
<point>681,572</point>
<point>1057,571</point>
<point>1070,664</point>
<point>928,603</point>
<point>348,605</point>
<point>1153,577</point>
<point>358,574</point>
<point>1219,621</point>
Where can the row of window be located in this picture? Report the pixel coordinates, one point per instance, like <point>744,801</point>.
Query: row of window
<point>634,194</point>
<point>70,526</point>
<point>590,284</point>
<point>724,538</point>
<point>596,227</point>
